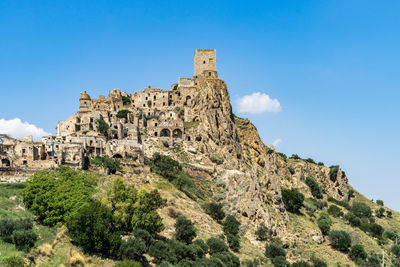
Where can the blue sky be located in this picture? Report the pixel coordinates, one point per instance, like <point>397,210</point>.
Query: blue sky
<point>332,65</point>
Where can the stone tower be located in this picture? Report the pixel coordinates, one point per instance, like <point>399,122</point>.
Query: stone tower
<point>205,62</point>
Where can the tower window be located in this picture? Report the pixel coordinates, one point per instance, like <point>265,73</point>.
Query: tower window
<point>209,74</point>
<point>211,60</point>
<point>204,62</point>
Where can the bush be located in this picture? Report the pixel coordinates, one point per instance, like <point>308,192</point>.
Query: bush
<point>165,166</point>
<point>310,160</point>
<point>292,199</point>
<point>126,100</point>
<point>376,230</point>
<point>102,127</point>
<point>24,239</point>
<point>295,156</point>
<point>353,219</point>
<point>227,258</point>
<point>361,210</point>
<point>132,249</point>
<point>357,252</point>
<point>344,204</point>
<point>200,243</point>
<point>128,263</point>
<point>324,224</point>
<point>54,194</point>
<point>374,260</point>
<point>274,250</point>
<point>379,202</point>
<point>340,240</point>
<point>280,261</point>
<point>291,170</point>
<point>301,264</point>
<point>215,211</point>
<point>233,242</point>
<point>92,227</point>
<point>216,245</point>
<point>112,165</point>
<point>392,235</point>
<point>123,114</point>
<point>14,261</point>
<point>380,212</point>
<point>184,230</point>
<point>217,160</point>
<point>230,225</point>
<point>335,211</point>
<point>317,262</point>
<point>8,226</point>
<point>262,232</point>
<point>333,172</point>
<point>144,236</point>
<point>395,249</point>
<point>314,187</point>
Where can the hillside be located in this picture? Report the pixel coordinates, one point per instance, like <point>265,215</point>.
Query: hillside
<point>177,187</point>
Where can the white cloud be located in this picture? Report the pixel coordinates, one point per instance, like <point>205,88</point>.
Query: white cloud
<point>257,103</point>
<point>17,129</point>
<point>276,142</point>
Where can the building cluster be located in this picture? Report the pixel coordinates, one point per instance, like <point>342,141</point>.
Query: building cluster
<point>117,125</point>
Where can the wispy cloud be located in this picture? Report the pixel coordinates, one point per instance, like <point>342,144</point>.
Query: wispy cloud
<point>17,129</point>
<point>276,142</point>
<point>257,103</point>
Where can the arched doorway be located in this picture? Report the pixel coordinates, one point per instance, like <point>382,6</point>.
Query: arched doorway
<point>5,163</point>
<point>165,132</point>
<point>117,156</point>
<point>177,133</point>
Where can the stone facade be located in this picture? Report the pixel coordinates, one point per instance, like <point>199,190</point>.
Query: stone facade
<point>167,116</point>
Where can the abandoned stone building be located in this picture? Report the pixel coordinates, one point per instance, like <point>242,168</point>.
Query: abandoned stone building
<point>150,115</point>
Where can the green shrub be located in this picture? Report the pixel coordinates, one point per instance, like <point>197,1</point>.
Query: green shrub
<point>128,263</point>
<point>113,165</point>
<point>280,261</point>
<point>230,225</point>
<point>392,235</point>
<point>282,155</point>
<point>144,236</point>
<point>8,226</point>
<point>317,262</point>
<point>126,100</point>
<point>233,242</point>
<point>344,204</point>
<point>310,160</point>
<point>262,232</point>
<point>374,260</point>
<point>333,172</point>
<point>92,227</point>
<point>324,224</point>
<point>227,258</point>
<point>102,127</point>
<point>395,249</point>
<point>292,199</point>
<point>53,194</point>
<point>200,243</point>
<point>389,214</point>
<point>301,264</point>
<point>295,156</point>
<point>335,211</point>
<point>273,250</point>
<point>340,240</point>
<point>379,202</point>
<point>353,219</point>
<point>24,239</point>
<point>184,230</point>
<point>376,230</point>
<point>361,210</point>
<point>380,212</point>
<point>291,170</point>
<point>14,261</point>
<point>132,249</point>
<point>216,159</point>
<point>123,114</point>
<point>357,252</point>
<point>216,245</point>
<point>314,187</point>
<point>215,211</point>
<point>165,166</point>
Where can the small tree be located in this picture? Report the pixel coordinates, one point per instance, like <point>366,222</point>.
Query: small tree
<point>24,239</point>
<point>126,100</point>
<point>132,249</point>
<point>292,199</point>
<point>340,240</point>
<point>102,127</point>
<point>317,262</point>
<point>357,252</point>
<point>230,225</point>
<point>324,224</point>
<point>333,172</point>
<point>335,211</point>
<point>123,114</point>
<point>361,210</point>
<point>233,242</point>
<point>262,232</point>
<point>274,250</point>
<point>314,187</point>
<point>353,219</point>
<point>215,211</point>
<point>379,202</point>
<point>216,245</point>
<point>395,249</point>
<point>184,230</point>
<point>280,261</point>
<point>380,212</point>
